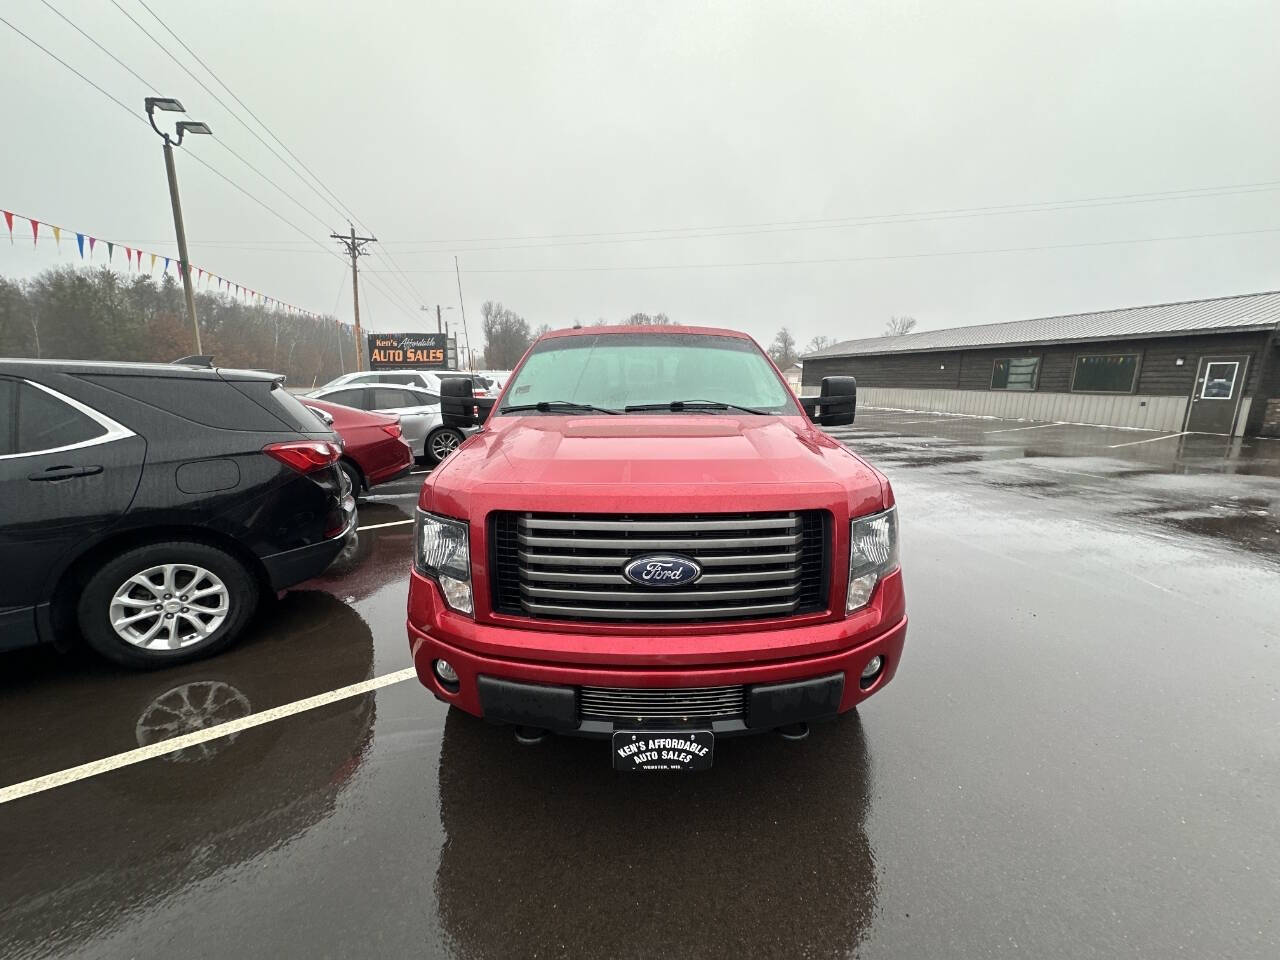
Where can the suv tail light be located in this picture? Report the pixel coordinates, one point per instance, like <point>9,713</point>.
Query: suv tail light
<point>392,428</point>
<point>305,456</point>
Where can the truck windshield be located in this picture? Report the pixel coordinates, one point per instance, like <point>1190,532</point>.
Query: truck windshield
<point>621,370</point>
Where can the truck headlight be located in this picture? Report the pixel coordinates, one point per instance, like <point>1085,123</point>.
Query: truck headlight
<point>443,553</point>
<point>873,552</point>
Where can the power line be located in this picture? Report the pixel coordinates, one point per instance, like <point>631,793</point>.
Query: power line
<point>205,87</point>
<point>277,246</point>
<point>133,113</point>
<point>886,257</point>
<point>336,204</point>
<point>908,216</point>
<point>195,56</point>
<point>71,23</point>
<point>49,53</point>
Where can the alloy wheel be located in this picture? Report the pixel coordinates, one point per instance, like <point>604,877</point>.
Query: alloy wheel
<point>170,606</point>
<point>444,443</point>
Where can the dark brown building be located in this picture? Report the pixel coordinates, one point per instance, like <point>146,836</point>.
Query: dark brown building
<point>1209,366</point>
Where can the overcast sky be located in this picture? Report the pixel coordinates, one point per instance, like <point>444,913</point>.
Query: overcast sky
<point>448,127</point>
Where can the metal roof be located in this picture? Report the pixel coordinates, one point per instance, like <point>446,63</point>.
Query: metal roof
<point>1254,311</point>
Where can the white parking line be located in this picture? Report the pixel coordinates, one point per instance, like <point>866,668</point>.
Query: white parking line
<point>130,757</point>
<point>1131,443</point>
<point>1037,426</point>
<point>388,496</point>
<point>390,523</point>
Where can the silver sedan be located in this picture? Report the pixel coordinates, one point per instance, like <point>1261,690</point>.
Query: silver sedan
<point>418,409</point>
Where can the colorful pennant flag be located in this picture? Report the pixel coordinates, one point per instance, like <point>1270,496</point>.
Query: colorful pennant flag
<point>111,251</point>
<point>57,237</point>
<point>92,241</point>
<point>8,219</point>
<point>80,244</point>
<point>35,232</point>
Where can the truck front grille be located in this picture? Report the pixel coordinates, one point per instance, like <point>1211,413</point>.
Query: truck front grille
<point>662,705</point>
<point>569,566</point>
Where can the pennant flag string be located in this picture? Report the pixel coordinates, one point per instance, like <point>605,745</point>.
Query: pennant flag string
<point>191,271</point>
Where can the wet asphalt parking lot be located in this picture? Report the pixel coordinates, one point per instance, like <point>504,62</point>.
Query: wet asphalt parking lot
<point>1079,757</point>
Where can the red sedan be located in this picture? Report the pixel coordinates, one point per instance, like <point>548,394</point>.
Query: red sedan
<point>374,451</point>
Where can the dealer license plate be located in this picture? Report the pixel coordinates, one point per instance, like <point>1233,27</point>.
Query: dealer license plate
<point>663,749</point>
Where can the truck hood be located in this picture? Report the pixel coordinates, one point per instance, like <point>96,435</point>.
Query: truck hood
<point>642,457</point>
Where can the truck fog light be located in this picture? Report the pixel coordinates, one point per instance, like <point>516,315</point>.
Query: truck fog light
<point>448,676</point>
<point>457,593</point>
<point>869,672</point>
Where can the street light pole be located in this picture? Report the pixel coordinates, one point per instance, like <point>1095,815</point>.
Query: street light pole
<point>184,127</point>
<point>184,264</point>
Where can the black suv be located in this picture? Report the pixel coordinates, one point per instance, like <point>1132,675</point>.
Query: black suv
<point>151,505</point>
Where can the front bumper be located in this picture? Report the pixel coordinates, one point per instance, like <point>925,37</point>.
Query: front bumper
<point>539,694</point>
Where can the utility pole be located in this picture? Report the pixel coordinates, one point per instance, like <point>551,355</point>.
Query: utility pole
<point>355,249</point>
<point>440,327</point>
<point>461,303</point>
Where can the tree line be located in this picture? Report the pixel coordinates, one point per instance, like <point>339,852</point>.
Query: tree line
<point>86,313</point>
<point>507,335</point>
<point>784,352</point>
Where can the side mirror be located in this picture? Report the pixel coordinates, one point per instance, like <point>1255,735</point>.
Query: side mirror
<point>837,404</point>
<point>459,407</point>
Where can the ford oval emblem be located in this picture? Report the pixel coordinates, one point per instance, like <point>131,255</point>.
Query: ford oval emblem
<point>661,570</point>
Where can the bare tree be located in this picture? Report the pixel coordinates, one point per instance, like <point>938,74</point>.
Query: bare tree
<point>897,326</point>
<point>506,336</point>
<point>818,343</point>
<point>783,349</point>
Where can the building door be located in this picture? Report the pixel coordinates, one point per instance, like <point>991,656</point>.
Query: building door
<point>1216,396</point>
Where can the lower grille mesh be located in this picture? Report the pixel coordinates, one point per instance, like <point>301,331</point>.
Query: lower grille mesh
<point>669,705</point>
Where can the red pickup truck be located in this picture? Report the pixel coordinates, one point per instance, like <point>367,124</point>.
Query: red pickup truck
<point>651,541</point>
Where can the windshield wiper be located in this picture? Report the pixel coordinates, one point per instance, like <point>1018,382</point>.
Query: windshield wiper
<point>550,406</point>
<point>676,406</point>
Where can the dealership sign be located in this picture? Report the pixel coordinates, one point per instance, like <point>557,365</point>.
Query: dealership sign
<point>389,351</point>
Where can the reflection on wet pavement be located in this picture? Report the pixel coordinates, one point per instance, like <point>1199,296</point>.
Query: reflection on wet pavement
<point>1224,488</point>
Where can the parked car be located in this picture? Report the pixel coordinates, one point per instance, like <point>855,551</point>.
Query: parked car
<point>374,449</point>
<point>147,507</point>
<point>418,410</point>
<point>498,379</point>
<point>426,379</point>
<point>650,540</point>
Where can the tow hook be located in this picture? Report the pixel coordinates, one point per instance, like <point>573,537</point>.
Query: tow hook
<point>794,731</point>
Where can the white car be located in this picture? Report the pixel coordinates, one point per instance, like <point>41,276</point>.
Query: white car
<point>418,409</point>
<point>499,379</point>
<point>426,379</point>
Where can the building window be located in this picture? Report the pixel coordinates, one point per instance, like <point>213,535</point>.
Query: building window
<point>1105,373</point>
<point>1015,373</point>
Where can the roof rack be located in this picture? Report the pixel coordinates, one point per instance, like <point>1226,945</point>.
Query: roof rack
<point>202,360</point>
